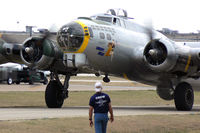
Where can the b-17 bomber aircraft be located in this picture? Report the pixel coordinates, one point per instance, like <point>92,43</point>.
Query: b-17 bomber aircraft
<point>110,44</point>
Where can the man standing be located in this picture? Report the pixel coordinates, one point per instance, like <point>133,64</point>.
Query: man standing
<point>101,104</point>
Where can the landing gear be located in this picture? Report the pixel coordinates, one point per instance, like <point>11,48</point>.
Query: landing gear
<point>184,97</point>
<point>106,79</point>
<point>53,96</point>
<point>56,92</point>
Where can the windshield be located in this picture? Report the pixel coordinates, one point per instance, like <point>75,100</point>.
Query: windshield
<point>106,19</point>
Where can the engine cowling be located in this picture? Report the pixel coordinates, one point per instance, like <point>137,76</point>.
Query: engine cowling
<point>160,56</point>
<point>39,52</point>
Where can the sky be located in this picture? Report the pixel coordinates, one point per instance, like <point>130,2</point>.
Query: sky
<point>181,15</point>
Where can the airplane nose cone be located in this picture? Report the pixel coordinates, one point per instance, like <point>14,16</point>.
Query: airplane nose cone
<point>70,36</point>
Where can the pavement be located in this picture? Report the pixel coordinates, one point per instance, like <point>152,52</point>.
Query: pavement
<point>29,113</point>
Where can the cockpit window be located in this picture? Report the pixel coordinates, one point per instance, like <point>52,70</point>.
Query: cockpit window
<point>116,21</point>
<point>106,19</point>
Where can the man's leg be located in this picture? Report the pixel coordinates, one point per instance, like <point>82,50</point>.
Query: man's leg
<point>104,123</point>
<point>98,123</point>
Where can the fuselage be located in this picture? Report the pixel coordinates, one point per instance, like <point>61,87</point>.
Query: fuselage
<point>112,45</point>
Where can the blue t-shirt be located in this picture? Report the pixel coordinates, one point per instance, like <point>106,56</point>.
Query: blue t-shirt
<point>100,101</point>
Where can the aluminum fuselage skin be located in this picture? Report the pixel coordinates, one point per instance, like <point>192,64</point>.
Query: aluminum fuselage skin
<point>126,58</point>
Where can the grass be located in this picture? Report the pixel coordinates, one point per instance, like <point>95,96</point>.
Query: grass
<point>127,124</point>
<point>119,98</point>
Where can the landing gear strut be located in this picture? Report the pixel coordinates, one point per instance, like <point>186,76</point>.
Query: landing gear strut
<point>184,97</point>
<point>56,92</point>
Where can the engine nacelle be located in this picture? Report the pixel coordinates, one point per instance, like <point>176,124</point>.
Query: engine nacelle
<point>38,52</point>
<point>160,56</point>
<point>9,52</point>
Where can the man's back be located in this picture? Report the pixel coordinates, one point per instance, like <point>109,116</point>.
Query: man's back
<point>100,101</point>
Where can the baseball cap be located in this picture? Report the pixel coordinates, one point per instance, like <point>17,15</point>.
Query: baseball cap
<point>98,86</point>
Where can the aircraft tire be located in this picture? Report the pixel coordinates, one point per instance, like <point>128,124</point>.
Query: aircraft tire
<point>184,97</point>
<point>53,98</point>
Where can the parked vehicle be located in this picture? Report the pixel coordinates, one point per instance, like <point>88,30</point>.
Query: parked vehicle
<point>15,75</point>
<point>7,74</point>
<point>31,77</point>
